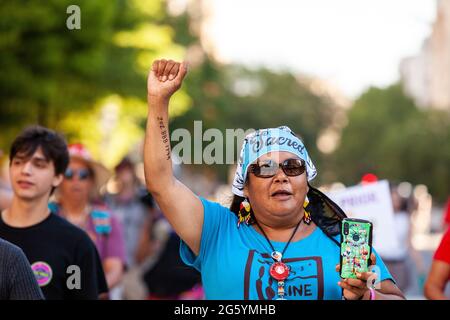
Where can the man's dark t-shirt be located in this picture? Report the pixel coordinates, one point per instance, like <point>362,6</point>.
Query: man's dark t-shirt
<point>52,246</point>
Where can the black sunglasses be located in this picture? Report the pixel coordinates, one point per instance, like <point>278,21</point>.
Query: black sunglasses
<point>269,168</point>
<point>83,174</point>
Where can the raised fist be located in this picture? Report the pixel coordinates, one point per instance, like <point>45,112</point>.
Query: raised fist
<point>164,78</point>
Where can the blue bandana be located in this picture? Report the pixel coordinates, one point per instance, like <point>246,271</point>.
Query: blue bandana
<point>264,141</point>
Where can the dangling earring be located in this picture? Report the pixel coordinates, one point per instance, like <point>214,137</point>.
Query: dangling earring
<point>244,212</point>
<point>306,215</point>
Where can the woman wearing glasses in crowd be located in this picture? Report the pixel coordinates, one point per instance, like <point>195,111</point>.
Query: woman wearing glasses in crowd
<point>82,181</point>
<point>280,237</point>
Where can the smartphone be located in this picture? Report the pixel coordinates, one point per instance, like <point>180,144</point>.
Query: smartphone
<point>356,247</point>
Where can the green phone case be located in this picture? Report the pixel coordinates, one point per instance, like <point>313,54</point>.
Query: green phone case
<point>356,247</point>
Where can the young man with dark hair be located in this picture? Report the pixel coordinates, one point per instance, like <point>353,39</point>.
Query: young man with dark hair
<point>62,256</point>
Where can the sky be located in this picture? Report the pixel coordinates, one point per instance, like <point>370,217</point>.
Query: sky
<point>351,44</point>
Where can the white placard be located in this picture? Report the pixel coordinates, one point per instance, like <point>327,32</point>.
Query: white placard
<point>371,202</point>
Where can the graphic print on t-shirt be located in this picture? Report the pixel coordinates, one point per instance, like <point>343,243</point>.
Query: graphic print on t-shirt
<point>43,273</point>
<point>305,281</point>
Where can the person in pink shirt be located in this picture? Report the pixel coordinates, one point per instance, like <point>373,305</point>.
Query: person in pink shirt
<point>82,180</point>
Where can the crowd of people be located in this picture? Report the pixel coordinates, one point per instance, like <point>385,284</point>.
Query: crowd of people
<point>54,219</point>
<point>68,238</point>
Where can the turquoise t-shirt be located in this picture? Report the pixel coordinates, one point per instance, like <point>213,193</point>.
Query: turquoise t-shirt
<point>234,262</point>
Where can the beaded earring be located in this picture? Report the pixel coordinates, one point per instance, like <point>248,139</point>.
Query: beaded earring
<point>244,212</point>
<point>307,214</point>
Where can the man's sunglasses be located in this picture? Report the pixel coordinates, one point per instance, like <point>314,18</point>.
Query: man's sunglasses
<point>269,168</point>
<point>83,174</point>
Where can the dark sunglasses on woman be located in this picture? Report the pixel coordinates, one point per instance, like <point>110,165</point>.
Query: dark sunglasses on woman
<point>269,168</point>
<point>82,174</point>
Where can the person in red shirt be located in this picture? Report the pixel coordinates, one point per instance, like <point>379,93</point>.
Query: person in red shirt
<point>440,271</point>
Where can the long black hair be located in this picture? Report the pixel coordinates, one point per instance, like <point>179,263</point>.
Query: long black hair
<point>326,214</point>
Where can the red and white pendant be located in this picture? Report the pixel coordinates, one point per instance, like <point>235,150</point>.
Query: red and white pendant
<point>279,271</point>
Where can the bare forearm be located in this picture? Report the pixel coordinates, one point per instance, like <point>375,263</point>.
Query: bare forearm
<point>434,292</point>
<point>157,151</point>
<point>182,208</point>
<point>144,245</point>
<point>113,273</point>
<point>437,280</point>
<point>387,291</point>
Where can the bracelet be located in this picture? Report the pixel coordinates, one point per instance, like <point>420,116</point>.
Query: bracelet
<point>371,297</point>
<point>372,293</point>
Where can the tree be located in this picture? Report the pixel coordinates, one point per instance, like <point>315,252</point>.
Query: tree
<point>58,77</point>
<point>48,69</point>
<point>389,136</point>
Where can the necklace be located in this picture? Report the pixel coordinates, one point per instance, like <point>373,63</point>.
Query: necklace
<point>81,220</point>
<point>279,270</point>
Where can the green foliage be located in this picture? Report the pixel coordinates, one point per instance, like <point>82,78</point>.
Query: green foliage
<point>47,69</point>
<point>55,76</point>
<point>388,136</point>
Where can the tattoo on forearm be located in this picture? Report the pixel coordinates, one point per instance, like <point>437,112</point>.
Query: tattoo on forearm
<point>164,136</point>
